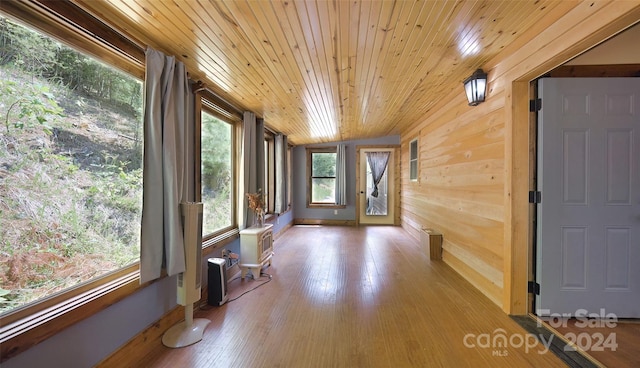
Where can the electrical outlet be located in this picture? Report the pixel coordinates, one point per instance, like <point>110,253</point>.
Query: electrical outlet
<point>335,212</point>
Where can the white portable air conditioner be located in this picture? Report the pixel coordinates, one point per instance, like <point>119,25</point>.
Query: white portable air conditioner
<point>189,331</point>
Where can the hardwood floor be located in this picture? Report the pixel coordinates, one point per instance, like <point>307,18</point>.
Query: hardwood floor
<point>355,297</point>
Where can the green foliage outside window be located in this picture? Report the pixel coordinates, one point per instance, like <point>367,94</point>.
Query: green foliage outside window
<point>70,167</point>
<point>323,177</point>
<point>217,174</point>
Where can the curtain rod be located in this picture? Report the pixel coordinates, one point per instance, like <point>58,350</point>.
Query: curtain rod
<point>83,21</point>
<point>200,86</point>
<point>92,25</point>
<point>271,130</point>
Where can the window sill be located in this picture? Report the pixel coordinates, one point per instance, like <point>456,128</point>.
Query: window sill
<point>327,205</point>
<point>21,334</point>
<point>27,327</point>
<point>273,215</point>
<point>220,240</point>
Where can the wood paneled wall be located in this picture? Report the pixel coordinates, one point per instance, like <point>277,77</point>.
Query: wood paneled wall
<point>460,187</point>
<point>474,161</point>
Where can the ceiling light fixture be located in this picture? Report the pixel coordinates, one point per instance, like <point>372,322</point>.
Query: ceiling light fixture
<point>476,87</point>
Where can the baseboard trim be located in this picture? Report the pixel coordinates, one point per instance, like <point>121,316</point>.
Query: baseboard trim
<point>132,352</point>
<point>324,222</point>
<point>282,231</point>
<point>574,358</point>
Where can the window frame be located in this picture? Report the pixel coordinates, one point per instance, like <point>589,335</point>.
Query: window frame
<point>206,105</point>
<point>269,189</point>
<point>31,324</point>
<point>414,161</point>
<point>222,237</point>
<point>310,177</point>
<point>289,174</point>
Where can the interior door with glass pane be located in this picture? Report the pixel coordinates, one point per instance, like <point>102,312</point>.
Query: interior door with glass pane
<point>377,200</point>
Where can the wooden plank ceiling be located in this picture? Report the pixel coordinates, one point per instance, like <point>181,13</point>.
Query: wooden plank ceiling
<point>321,71</point>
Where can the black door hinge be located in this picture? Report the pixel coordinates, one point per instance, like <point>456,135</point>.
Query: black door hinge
<point>535,105</point>
<point>533,287</point>
<point>535,197</point>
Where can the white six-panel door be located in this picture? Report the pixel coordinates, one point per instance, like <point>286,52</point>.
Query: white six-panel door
<point>588,225</point>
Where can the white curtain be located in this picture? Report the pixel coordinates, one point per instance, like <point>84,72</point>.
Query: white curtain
<point>341,175</point>
<point>252,164</point>
<point>281,173</point>
<point>167,171</point>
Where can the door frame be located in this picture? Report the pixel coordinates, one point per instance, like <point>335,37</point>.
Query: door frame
<point>562,71</point>
<point>518,221</point>
<point>396,180</point>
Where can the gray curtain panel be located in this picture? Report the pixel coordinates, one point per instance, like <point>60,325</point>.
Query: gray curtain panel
<point>167,181</point>
<point>341,175</point>
<point>281,173</point>
<point>253,164</point>
<point>378,164</point>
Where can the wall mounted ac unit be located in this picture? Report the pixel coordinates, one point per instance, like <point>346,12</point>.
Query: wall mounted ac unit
<point>190,330</point>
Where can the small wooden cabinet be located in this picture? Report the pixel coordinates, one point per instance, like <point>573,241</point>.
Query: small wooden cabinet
<point>256,249</point>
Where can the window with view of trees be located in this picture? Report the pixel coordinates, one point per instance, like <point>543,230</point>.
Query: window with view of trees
<point>216,174</point>
<point>70,167</point>
<point>321,168</point>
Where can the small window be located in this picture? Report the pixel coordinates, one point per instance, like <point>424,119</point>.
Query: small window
<point>321,168</point>
<point>413,160</point>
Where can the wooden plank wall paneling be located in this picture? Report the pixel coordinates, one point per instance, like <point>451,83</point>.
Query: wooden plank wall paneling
<point>460,188</point>
<point>467,183</point>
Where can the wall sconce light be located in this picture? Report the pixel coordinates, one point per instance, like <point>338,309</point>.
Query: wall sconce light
<point>476,87</point>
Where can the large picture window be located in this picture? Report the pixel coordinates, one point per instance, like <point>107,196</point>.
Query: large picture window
<point>70,167</point>
<point>321,169</point>
<point>217,174</point>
